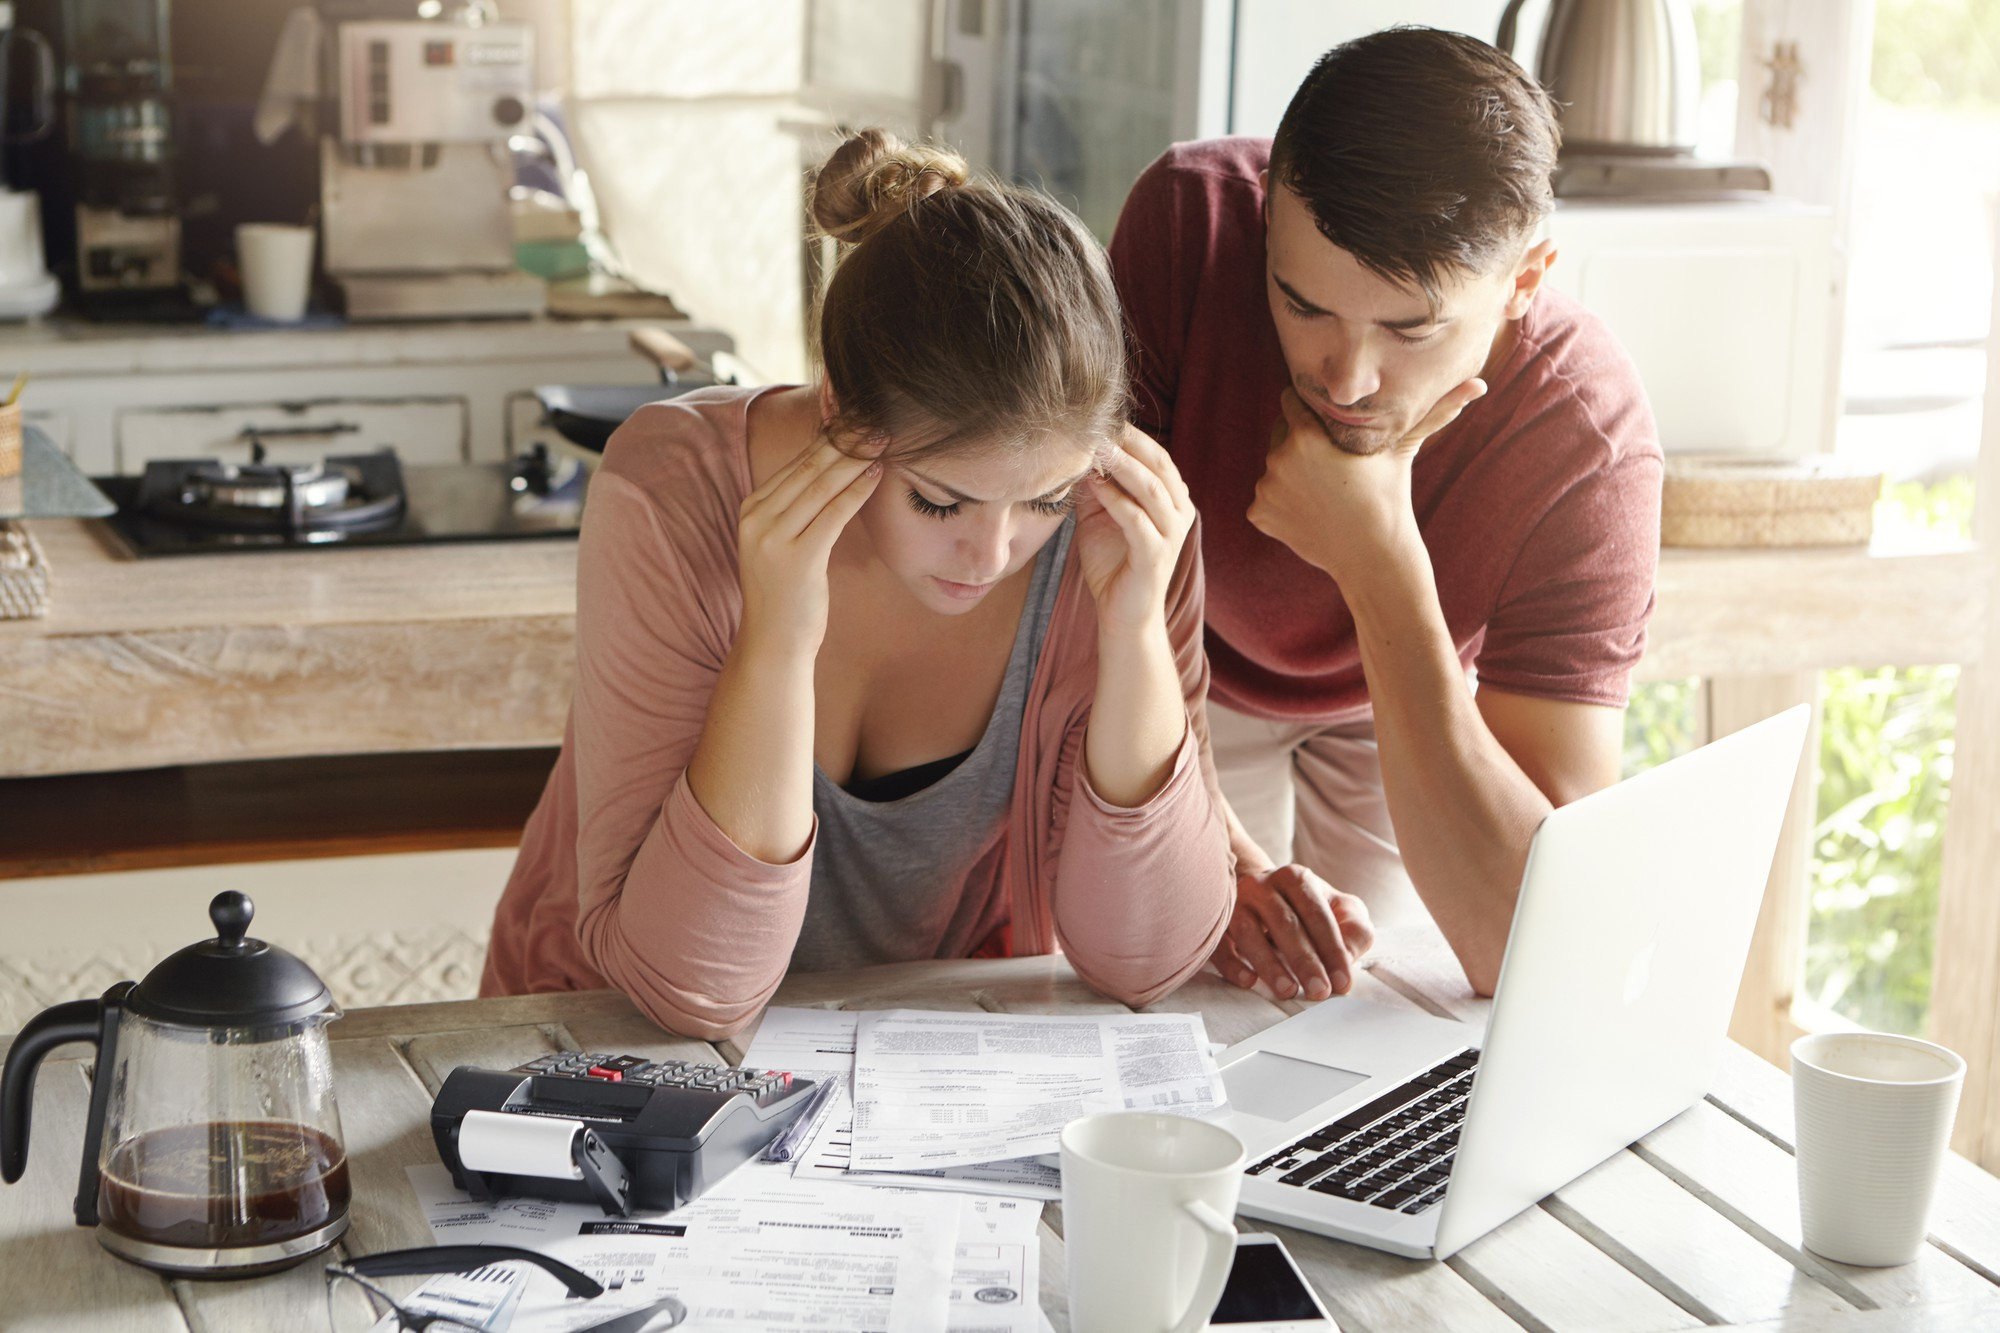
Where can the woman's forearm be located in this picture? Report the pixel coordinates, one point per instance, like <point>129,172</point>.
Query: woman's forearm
<point>1139,716</point>
<point>752,768</point>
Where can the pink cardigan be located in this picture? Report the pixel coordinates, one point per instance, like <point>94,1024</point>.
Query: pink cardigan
<point>624,880</point>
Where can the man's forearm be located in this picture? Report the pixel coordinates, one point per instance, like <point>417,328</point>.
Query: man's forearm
<point>1463,810</point>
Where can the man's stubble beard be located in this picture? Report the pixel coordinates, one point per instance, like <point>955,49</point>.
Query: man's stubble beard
<point>1360,441</point>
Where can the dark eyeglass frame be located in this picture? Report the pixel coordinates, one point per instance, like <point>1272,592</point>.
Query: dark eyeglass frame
<point>434,1259</point>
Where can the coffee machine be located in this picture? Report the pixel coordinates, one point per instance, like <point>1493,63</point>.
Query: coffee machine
<point>26,287</point>
<point>118,79</point>
<point>415,169</point>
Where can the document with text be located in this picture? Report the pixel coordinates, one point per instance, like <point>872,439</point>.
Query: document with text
<point>811,1041</point>
<point>753,1254</point>
<point>934,1089</point>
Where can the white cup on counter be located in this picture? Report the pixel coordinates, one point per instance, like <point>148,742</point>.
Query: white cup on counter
<point>277,261</point>
<point>1147,1206</point>
<point>1874,1115</point>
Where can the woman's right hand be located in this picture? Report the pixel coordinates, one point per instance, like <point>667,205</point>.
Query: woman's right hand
<point>785,531</point>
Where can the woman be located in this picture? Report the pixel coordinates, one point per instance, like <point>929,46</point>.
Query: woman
<point>903,665</point>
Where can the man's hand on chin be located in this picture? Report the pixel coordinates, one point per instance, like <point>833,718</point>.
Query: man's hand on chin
<point>1338,510</point>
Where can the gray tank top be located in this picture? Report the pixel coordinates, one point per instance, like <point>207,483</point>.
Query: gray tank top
<point>886,874</point>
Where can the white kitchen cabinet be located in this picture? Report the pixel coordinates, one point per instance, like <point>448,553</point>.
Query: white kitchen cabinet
<point>419,430</point>
<point>115,396</point>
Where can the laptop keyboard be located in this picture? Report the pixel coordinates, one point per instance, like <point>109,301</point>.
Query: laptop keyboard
<point>1396,1152</point>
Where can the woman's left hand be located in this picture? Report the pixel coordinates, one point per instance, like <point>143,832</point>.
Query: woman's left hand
<point>1129,532</point>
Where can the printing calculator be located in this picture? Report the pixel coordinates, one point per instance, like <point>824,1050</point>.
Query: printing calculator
<point>642,1135</point>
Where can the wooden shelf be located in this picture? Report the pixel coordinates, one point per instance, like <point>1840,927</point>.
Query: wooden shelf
<point>1759,612</point>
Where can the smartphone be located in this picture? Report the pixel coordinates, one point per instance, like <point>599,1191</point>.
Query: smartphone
<point>1267,1293</point>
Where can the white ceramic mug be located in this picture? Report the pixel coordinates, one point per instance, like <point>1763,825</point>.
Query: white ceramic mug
<point>1147,1206</point>
<point>277,269</point>
<point>1874,1115</point>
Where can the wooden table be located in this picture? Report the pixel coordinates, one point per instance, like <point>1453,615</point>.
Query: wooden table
<point>1697,1224</point>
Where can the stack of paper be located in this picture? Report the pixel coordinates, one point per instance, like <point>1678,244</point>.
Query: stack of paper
<point>923,1103</point>
<point>977,1101</point>
<point>761,1251</point>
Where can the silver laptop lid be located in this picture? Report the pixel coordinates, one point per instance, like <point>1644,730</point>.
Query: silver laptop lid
<point>1635,916</point>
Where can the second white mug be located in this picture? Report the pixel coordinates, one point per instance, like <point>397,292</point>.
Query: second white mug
<point>1874,1115</point>
<point>277,262</point>
<point>1147,1206</point>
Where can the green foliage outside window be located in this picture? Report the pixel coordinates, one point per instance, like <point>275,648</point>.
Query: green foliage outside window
<point>1885,784</point>
<point>1664,719</point>
<point>1943,53</point>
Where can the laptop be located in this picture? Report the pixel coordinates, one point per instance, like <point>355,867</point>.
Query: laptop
<point>1416,1134</point>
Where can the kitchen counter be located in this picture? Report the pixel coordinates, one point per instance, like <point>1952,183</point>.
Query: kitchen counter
<point>141,663</point>
<point>210,658</point>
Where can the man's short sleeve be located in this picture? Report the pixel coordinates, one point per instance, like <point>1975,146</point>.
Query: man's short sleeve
<point>1571,621</point>
<point>1149,268</point>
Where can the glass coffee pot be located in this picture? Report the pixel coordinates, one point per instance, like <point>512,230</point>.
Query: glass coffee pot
<point>213,1146</point>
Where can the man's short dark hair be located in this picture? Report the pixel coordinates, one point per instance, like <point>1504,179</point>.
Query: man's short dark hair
<point>1420,153</point>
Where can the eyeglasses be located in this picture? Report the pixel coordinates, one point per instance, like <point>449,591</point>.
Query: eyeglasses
<point>365,1291</point>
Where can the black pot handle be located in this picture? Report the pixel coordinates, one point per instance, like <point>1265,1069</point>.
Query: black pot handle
<point>1505,39</point>
<point>111,1007</point>
<point>79,1020</point>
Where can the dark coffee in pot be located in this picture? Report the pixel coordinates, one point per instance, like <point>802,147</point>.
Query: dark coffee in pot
<point>223,1184</point>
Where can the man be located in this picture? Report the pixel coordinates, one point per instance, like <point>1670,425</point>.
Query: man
<point>1413,465</point>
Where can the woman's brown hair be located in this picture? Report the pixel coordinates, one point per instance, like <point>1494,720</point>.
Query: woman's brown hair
<point>963,312</point>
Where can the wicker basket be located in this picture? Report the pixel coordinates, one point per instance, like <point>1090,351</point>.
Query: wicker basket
<point>1715,501</point>
<point>24,575</point>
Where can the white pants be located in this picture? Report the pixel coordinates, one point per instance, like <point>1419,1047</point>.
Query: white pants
<point>1312,794</point>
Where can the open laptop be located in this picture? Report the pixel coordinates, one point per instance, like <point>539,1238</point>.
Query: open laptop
<point>1412,1134</point>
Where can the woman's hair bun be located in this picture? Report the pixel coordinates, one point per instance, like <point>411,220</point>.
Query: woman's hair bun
<point>872,179</point>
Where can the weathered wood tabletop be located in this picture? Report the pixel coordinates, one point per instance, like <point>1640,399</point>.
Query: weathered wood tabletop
<point>1696,1224</point>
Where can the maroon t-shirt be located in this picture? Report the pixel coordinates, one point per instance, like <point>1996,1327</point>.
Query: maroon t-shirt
<point>1540,505</point>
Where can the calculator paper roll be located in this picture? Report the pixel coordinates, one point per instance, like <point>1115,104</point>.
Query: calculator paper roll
<point>519,1145</point>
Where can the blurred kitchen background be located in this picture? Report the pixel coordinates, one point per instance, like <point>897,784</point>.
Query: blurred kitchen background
<point>1840,303</point>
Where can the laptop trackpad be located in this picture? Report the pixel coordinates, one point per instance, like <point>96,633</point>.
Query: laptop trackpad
<point>1277,1087</point>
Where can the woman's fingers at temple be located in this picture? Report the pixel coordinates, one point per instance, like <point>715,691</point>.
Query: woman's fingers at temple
<point>816,477</point>
<point>1141,529</point>
<point>1141,447</point>
<point>825,527</point>
<point>826,489</point>
<point>1129,474</point>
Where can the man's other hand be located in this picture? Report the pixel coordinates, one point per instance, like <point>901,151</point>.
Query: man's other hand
<point>1295,932</point>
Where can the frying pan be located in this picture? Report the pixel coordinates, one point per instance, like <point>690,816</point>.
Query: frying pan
<point>587,414</point>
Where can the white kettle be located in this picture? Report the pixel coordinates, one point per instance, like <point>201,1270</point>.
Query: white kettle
<point>1626,74</point>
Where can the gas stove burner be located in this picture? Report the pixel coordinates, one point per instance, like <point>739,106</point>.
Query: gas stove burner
<point>265,486</point>
<point>197,506</point>
<point>317,501</point>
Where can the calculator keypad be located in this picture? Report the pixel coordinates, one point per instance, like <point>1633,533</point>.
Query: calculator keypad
<point>758,1083</point>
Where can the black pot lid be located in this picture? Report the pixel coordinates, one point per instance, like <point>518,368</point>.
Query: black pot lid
<point>231,980</point>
